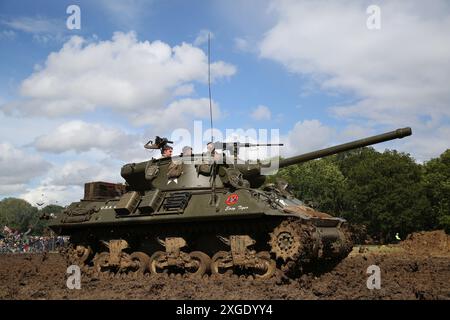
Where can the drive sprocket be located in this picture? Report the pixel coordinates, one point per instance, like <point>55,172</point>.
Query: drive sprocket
<point>285,241</point>
<point>294,243</point>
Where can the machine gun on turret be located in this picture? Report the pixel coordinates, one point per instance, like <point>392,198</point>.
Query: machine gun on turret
<point>233,147</point>
<point>159,143</point>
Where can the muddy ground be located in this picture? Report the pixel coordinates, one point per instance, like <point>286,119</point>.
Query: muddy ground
<point>408,271</point>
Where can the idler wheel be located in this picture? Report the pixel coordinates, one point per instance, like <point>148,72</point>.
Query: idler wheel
<point>199,263</point>
<point>140,262</point>
<point>221,263</point>
<point>266,266</point>
<point>155,259</point>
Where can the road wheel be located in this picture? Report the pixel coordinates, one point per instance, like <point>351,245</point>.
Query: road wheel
<point>266,266</point>
<point>156,259</point>
<point>221,263</point>
<point>142,261</point>
<point>199,263</point>
<point>101,262</point>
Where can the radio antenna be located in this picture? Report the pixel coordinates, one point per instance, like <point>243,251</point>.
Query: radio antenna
<point>209,85</point>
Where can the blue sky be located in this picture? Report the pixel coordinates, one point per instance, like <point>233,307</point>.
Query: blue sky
<point>77,104</point>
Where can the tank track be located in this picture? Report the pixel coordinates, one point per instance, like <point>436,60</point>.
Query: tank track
<point>291,243</point>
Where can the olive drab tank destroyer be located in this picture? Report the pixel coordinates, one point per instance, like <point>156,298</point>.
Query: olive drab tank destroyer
<point>203,213</point>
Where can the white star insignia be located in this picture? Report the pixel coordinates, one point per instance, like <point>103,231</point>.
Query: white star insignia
<point>174,180</point>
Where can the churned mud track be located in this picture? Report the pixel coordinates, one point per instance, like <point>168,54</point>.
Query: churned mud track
<point>403,276</point>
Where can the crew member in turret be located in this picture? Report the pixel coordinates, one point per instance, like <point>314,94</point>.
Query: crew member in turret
<point>166,151</point>
<point>211,152</point>
<point>210,148</point>
<point>187,151</point>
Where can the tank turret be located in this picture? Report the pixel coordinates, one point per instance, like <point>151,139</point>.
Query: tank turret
<point>230,170</point>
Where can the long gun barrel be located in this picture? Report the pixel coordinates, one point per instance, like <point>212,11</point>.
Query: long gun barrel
<point>396,134</point>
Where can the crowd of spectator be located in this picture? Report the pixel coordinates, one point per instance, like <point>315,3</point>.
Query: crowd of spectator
<point>21,243</point>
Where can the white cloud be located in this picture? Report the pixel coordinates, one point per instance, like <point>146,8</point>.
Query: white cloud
<point>222,69</point>
<point>184,90</point>
<point>202,37</point>
<point>306,136</point>
<point>243,45</point>
<point>127,13</point>
<point>78,172</point>
<point>29,128</point>
<point>35,25</point>
<point>431,143</point>
<point>60,195</point>
<point>398,74</point>
<point>43,39</point>
<point>354,132</point>
<point>81,136</point>
<point>8,189</point>
<point>42,29</point>
<point>18,167</point>
<point>7,34</point>
<point>250,17</point>
<point>65,183</point>
<point>261,113</point>
<point>125,75</point>
<point>177,114</point>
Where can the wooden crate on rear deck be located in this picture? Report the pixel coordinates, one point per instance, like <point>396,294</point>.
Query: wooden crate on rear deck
<point>103,190</point>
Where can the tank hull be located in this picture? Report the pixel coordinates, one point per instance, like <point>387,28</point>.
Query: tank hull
<point>314,236</point>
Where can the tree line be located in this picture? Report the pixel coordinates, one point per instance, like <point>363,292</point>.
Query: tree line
<point>387,192</point>
<point>18,214</point>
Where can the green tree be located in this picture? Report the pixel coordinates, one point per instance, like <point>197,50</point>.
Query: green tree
<point>52,208</point>
<point>437,186</point>
<point>385,192</point>
<point>319,183</point>
<point>21,215</point>
<point>18,214</point>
